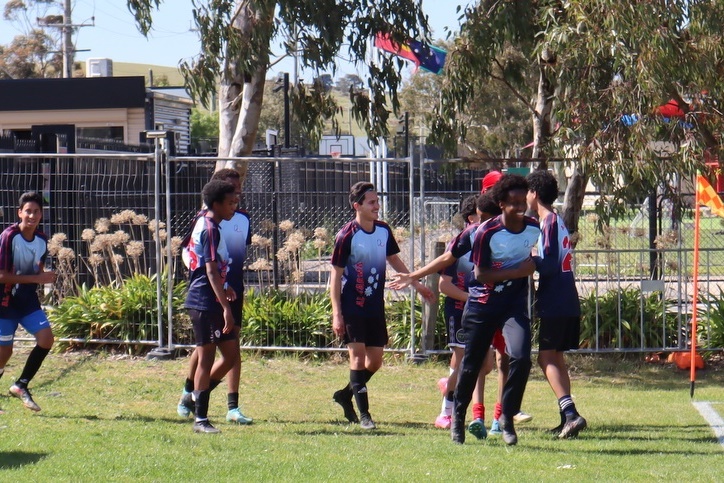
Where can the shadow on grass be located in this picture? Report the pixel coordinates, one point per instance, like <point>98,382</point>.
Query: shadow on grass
<point>17,459</point>
<point>77,364</point>
<point>119,417</point>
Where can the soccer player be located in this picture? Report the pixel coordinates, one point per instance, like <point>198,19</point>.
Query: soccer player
<point>236,233</point>
<point>23,251</point>
<point>501,256</point>
<point>557,304</point>
<point>207,301</point>
<point>362,249</point>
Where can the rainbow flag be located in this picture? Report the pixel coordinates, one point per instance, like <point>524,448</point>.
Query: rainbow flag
<point>427,57</point>
<point>708,197</point>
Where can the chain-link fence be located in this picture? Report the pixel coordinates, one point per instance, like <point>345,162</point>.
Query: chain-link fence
<point>102,211</point>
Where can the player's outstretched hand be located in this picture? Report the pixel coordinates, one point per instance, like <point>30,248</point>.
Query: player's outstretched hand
<point>424,292</point>
<point>400,281</point>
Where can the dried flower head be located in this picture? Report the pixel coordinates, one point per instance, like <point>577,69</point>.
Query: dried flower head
<point>59,238</point>
<point>139,219</point>
<point>88,234</point>
<point>95,260</point>
<point>260,264</point>
<point>102,225</point>
<point>295,241</point>
<point>260,241</point>
<point>125,216</point>
<point>118,259</point>
<point>297,276</point>
<point>321,233</point>
<point>267,225</point>
<point>154,225</point>
<point>319,244</point>
<point>134,249</point>
<point>120,237</point>
<point>176,245</point>
<point>66,254</point>
<point>286,225</point>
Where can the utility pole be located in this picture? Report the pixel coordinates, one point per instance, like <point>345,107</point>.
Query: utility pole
<point>66,27</point>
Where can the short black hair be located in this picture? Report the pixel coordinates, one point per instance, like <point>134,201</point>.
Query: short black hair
<point>358,191</point>
<point>226,174</point>
<point>508,183</point>
<point>486,204</point>
<point>215,191</point>
<point>544,184</point>
<point>30,197</point>
<point>467,207</point>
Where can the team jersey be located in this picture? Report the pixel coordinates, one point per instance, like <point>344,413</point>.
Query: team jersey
<point>461,272</point>
<point>237,235</point>
<point>497,248</point>
<point>206,245</point>
<point>21,257</point>
<point>363,255</point>
<point>556,295</point>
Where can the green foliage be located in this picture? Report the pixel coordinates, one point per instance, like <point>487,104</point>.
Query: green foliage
<point>204,125</point>
<point>127,313</point>
<point>710,325</point>
<point>398,324</point>
<point>626,304</point>
<point>283,319</point>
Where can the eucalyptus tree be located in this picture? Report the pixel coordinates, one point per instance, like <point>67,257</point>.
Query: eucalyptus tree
<point>236,49</point>
<point>601,69</point>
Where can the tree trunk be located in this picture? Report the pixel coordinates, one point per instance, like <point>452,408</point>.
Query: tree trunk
<point>240,107</point>
<point>573,202</point>
<point>543,107</point>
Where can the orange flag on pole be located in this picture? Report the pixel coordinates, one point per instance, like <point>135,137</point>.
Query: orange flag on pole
<point>708,197</point>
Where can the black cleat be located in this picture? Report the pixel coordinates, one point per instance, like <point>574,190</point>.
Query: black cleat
<point>509,435</point>
<point>205,427</point>
<point>457,429</point>
<point>344,399</point>
<point>573,427</point>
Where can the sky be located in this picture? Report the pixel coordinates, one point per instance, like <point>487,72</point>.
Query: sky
<point>115,36</point>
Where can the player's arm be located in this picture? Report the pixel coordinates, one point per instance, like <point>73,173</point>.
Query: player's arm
<point>42,277</point>
<point>335,288</point>
<point>403,280</point>
<point>399,266</point>
<point>488,275</point>
<point>447,287</point>
<point>217,284</point>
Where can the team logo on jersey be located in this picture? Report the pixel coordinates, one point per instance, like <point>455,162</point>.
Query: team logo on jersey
<point>460,336</point>
<point>217,334</point>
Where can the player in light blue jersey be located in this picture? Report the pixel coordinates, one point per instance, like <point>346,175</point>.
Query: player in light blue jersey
<point>557,304</point>
<point>362,250</point>
<point>23,251</point>
<point>501,256</point>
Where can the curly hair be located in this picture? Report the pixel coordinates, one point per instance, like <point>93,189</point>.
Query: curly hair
<point>467,207</point>
<point>508,183</point>
<point>226,174</point>
<point>486,204</point>
<point>544,184</point>
<point>215,191</point>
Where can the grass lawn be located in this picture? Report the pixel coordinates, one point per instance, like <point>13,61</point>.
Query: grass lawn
<point>111,418</point>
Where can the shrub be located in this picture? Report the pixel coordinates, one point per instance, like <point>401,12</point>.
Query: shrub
<point>126,313</point>
<point>711,325</point>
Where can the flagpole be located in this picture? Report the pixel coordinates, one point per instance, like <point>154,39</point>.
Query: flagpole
<point>692,359</point>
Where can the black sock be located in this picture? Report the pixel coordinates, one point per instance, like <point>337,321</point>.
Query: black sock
<point>567,406</point>
<point>357,379</point>
<point>232,400</point>
<point>213,383</point>
<point>35,360</point>
<point>450,395</point>
<point>368,375</point>
<point>202,404</point>
<point>189,385</point>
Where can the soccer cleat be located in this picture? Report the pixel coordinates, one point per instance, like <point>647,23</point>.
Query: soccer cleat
<point>186,406</point>
<point>557,430</point>
<point>573,427</point>
<point>477,428</point>
<point>205,427</point>
<point>344,399</point>
<point>366,421</point>
<point>443,422</point>
<point>23,394</point>
<point>509,436</point>
<point>442,385</point>
<point>522,417</point>
<point>457,430</point>
<point>236,416</point>
<point>495,427</point>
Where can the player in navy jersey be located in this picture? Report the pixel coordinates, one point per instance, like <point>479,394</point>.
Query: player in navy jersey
<point>556,303</point>
<point>23,251</point>
<point>236,233</point>
<point>501,256</point>
<point>362,249</point>
<point>207,301</point>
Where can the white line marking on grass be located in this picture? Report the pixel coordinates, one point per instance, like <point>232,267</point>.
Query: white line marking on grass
<point>712,417</point>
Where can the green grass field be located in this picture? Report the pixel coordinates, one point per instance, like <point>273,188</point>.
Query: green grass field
<point>111,418</point>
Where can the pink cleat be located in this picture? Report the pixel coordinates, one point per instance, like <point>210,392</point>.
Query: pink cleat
<point>442,385</point>
<point>443,422</point>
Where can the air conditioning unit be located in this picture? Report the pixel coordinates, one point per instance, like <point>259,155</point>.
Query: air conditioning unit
<point>99,68</point>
